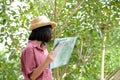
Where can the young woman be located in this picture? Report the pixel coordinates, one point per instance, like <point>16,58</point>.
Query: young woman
<point>35,58</point>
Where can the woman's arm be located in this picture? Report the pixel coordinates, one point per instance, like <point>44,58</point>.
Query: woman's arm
<point>37,72</point>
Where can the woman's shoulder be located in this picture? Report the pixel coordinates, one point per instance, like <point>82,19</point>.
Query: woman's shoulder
<point>27,48</point>
<point>29,45</point>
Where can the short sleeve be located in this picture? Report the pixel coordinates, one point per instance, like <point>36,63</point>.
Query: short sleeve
<point>28,61</point>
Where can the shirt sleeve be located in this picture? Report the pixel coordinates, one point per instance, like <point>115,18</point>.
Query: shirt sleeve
<point>29,61</point>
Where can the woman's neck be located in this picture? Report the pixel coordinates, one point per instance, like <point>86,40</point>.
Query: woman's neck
<point>38,42</point>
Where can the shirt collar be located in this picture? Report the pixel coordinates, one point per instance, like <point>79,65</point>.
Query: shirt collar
<point>34,44</point>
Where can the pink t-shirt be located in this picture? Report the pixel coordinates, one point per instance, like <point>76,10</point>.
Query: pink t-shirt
<point>32,56</point>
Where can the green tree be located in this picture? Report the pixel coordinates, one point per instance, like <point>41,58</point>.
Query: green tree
<point>95,23</point>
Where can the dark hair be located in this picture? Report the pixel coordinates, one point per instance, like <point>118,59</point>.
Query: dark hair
<point>43,34</point>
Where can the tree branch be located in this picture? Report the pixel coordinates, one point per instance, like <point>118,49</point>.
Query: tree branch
<point>103,57</point>
<point>73,12</point>
<point>51,5</point>
<point>59,11</point>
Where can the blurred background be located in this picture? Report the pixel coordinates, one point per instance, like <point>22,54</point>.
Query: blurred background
<point>96,23</point>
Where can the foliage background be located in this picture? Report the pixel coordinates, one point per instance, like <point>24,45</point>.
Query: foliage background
<point>90,20</point>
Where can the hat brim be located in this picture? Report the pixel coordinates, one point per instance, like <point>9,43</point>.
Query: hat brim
<point>37,25</point>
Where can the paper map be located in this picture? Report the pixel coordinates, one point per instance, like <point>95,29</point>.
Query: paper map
<point>63,51</point>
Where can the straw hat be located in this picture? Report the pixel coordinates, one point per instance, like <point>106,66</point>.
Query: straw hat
<point>40,22</point>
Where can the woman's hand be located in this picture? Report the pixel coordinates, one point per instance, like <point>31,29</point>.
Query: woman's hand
<point>51,56</point>
<point>38,71</point>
